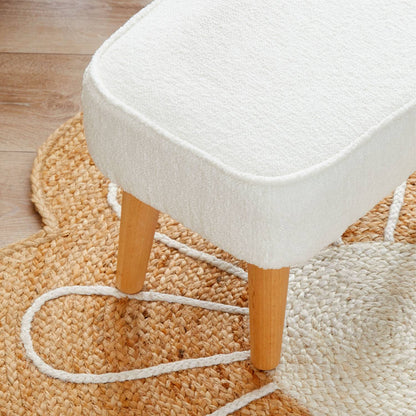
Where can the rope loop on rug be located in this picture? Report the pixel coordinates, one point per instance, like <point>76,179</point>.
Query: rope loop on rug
<point>136,374</point>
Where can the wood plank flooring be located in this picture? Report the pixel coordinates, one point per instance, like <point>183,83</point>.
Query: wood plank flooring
<point>61,26</point>
<point>37,93</point>
<point>45,46</point>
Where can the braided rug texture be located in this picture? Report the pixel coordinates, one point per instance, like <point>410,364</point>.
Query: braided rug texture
<point>350,341</point>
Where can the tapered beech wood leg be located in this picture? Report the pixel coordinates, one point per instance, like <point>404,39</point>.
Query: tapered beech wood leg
<point>267,291</point>
<point>138,223</point>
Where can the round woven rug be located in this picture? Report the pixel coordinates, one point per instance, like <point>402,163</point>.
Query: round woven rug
<point>72,345</point>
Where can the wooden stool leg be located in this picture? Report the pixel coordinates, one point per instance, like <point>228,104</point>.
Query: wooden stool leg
<point>267,290</point>
<point>138,223</point>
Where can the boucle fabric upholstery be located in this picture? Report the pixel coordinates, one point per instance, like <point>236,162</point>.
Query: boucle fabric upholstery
<point>268,127</point>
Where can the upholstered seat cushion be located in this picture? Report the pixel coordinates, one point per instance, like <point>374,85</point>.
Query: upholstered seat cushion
<point>267,126</point>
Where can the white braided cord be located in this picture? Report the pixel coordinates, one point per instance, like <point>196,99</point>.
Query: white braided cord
<point>136,374</point>
<point>394,212</point>
<point>244,400</point>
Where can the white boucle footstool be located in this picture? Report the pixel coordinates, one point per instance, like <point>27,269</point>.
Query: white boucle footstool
<point>266,126</point>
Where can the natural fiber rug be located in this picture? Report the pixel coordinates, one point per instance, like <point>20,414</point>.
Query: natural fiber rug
<point>72,345</point>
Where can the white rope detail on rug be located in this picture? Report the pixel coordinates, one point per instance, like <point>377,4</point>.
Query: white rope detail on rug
<point>181,247</point>
<point>246,399</point>
<point>394,212</point>
<point>136,374</point>
<point>157,296</point>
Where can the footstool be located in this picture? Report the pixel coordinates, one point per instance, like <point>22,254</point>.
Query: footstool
<point>266,126</point>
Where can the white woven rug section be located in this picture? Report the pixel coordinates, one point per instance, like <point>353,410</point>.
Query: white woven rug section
<point>350,337</point>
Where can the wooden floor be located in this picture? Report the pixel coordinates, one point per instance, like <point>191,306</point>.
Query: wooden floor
<point>45,46</point>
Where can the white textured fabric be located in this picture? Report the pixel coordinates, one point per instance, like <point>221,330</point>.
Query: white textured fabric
<point>268,127</point>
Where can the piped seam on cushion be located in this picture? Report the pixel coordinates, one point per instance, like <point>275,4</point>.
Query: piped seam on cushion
<point>203,155</point>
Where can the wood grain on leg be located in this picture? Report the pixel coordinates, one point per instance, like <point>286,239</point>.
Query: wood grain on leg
<point>267,304</point>
<point>138,223</point>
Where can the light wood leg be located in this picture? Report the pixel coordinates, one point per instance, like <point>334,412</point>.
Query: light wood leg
<point>267,305</point>
<point>138,223</point>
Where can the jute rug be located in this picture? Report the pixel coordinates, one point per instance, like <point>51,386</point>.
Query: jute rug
<point>72,345</point>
